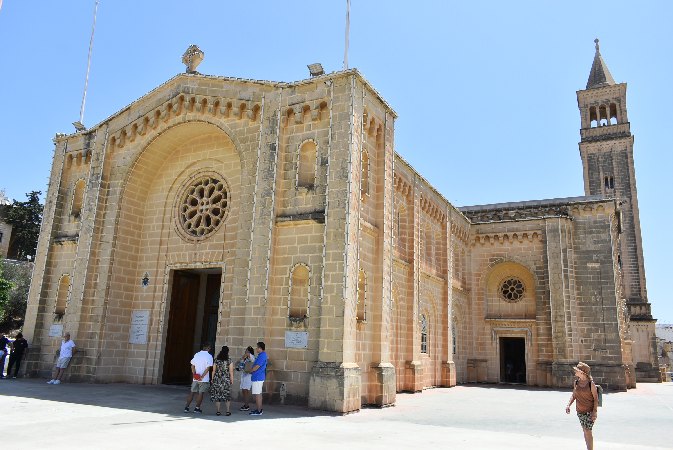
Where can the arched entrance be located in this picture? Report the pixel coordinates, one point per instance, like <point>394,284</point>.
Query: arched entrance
<point>177,232</point>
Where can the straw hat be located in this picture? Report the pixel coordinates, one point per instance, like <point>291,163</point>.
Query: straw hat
<point>583,367</point>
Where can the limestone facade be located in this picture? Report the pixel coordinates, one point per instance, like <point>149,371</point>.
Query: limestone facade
<point>230,211</point>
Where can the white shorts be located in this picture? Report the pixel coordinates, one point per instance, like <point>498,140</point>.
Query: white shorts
<point>246,382</point>
<point>257,387</point>
<point>63,362</point>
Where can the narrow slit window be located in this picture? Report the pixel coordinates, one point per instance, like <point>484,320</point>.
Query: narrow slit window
<point>424,334</point>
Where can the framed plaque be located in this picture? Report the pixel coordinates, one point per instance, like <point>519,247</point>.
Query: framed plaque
<point>296,339</point>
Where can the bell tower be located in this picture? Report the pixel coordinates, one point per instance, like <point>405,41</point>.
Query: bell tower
<point>606,148</point>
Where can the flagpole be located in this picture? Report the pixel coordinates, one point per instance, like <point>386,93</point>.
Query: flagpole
<point>88,65</point>
<point>348,26</point>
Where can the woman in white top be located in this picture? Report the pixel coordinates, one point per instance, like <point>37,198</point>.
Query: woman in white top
<point>244,364</point>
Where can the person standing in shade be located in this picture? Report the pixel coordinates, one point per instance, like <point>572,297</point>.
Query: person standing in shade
<point>258,372</point>
<point>585,394</point>
<point>63,361</point>
<point>246,362</point>
<point>201,363</point>
<point>3,354</point>
<point>223,378</point>
<point>19,347</point>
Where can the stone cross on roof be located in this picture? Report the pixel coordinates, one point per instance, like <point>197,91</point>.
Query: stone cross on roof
<point>192,58</point>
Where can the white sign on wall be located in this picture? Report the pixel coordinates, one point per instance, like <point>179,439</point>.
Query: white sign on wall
<point>56,330</point>
<point>296,339</point>
<point>140,320</point>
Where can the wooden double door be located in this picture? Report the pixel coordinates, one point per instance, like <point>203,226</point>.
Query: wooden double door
<point>192,321</point>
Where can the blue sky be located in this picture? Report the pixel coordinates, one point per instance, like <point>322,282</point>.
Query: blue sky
<point>485,91</point>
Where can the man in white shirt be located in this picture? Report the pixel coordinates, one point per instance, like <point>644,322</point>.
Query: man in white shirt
<point>202,362</point>
<point>63,361</point>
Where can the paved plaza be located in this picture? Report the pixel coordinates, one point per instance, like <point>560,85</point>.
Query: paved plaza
<point>37,415</point>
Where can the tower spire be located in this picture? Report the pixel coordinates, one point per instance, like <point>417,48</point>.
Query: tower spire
<point>599,75</point>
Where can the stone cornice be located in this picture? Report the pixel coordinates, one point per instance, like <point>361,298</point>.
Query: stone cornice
<point>520,213</point>
<point>182,104</point>
<point>504,238</point>
<point>461,233</point>
<point>432,209</point>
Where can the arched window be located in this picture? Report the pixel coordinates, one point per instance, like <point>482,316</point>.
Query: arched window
<point>299,292</point>
<point>424,334</point>
<point>77,198</point>
<point>306,165</point>
<point>62,295</point>
<point>593,117</point>
<point>603,115</point>
<point>609,183</point>
<point>361,309</point>
<point>613,114</point>
<point>364,182</point>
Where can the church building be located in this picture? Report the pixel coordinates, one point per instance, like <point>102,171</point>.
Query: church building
<point>229,211</point>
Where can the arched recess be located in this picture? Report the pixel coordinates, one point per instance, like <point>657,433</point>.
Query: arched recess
<point>510,291</point>
<point>147,238</point>
<point>361,308</point>
<point>429,338</point>
<point>62,295</point>
<point>77,198</point>
<point>300,291</point>
<point>306,164</point>
<point>364,172</point>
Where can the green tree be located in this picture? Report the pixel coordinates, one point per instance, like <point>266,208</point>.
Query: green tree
<point>5,289</point>
<point>25,218</point>
<point>17,275</point>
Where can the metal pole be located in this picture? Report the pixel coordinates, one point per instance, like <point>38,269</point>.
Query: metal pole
<point>348,26</point>
<point>88,65</point>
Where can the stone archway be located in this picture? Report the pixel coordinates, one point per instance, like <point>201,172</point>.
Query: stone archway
<point>150,237</point>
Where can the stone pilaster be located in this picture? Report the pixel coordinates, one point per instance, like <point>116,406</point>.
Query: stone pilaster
<point>36,313</point>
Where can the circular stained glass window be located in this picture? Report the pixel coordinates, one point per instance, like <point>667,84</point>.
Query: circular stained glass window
<point>204,205</point>
<point>512,290</point>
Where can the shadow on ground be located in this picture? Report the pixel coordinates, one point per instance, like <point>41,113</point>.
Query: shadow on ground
<point>160,399</point>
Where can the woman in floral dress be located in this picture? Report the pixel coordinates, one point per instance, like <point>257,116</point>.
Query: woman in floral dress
<point>223,377</point>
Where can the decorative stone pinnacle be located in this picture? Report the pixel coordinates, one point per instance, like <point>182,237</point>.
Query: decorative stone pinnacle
<point>597,46</point>
<point>192,58</point>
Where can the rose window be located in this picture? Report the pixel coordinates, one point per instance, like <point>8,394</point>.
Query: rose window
<point>512,290</point>
<point>204,206</point>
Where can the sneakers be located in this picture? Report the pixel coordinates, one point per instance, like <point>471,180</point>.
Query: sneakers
<point>187,409</point>
<point>56,382</point>
<point>256,413</point>
<point>198,410</point>
<point>245,408</point>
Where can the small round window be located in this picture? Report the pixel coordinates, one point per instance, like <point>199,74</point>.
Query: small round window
<point>512,290</point>
<point>203,206</point>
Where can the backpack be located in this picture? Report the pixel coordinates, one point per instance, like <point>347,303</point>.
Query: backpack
<point>599,392</point>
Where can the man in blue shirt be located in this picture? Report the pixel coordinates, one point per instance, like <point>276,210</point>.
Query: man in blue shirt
<point>258,372</point>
